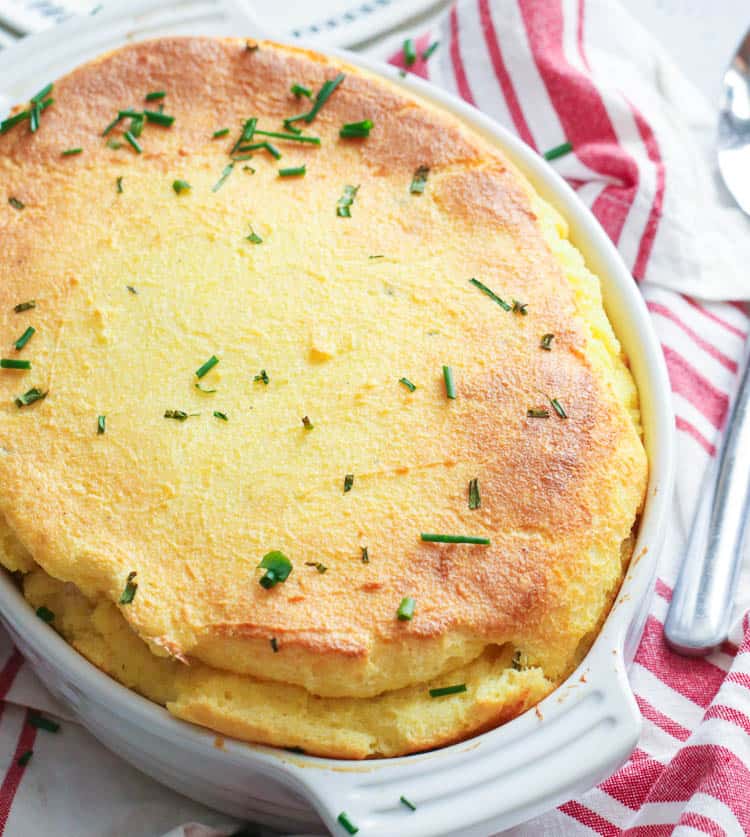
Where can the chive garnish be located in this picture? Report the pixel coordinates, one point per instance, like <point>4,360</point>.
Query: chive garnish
<point>321,98</point>
<point>101,424</point>
<point>356,129</point>
<point>454,539</point>
<point>475,500</point>
<point>16,204</point>
<point>133,142</point>
<point>128,593</point>
<point>248,168</point>
<point>272,150</point>
<point>24,306</point>
<point>348,825</point>
<point>47,724</point>
<point>254,238</point>
<point>296,171</point>
<point>34,119</point>
<point>410,54</point>
<point>405,610</point>
<point>199,386</point>
<point>181,186</point>
<point>71,152</point>
<point>114,144</point>
<point>207,366</point>
<point>558,151</point>
<point>430,49</point>
<point>155,95</point>
<point>262,376</point>
<point>42,94</point>
<point>119,188</point>
<point>290,137</point>
<point>14,363</point>
<point>45,614</point>
<point>491,294</point>
<point>407,383</point>
<point>365,555</point>
<point>321,568</point>
<point>248,129</point>
<point>307,423</point>
<point>24,338</point>
<point>376,257</point>
<point>534,412</point>
<point>219,415</point>
<point>159,118</point>
<point>345,201</point>
<point>520,307</point>
<point>277,567</point>
<point>546,342</point>
<point>222,132</point>
<point>348,482</point>
<point>131,289</point>
<point>29,397</point>
<point>558,408</point>
<point>179,415</point>
<point>404,801</point>
<point>419,180</point>
<point>299,90</point>
<point>274,645</point>
<point>224,175</point>
<point>450,387</point>
<point>448,690</point>
<point>24,759</point>
<point>112,125</point>
<point>8,123</point>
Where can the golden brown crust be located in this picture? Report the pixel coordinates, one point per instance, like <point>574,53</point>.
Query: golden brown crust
<point>193,507</point>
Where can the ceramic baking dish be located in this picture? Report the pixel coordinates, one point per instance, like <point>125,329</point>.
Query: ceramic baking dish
<point>581,733</point>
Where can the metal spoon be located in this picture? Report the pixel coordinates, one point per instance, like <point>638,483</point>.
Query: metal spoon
<point>700,610</point>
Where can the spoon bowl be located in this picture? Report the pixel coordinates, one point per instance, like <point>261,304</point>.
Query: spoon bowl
<point>734,126</point>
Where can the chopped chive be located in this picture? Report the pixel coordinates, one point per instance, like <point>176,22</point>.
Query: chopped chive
<point>8,123</point>
<point>114,144</point>
<point>410,54</point>
<point>272,150</point>
<point>419,180</point>
<point>45,614</point>
<point>179,415</point>
<point>290,127</point>
<point>365,555</point>
<point>321,98</point>
<point>101,424</point>
<point>296,171</point>
<point>307,423</point>
<point>24,306</point>
<point>133,141</point>
<point>262,376</point>
<point>13,363</point>
<point>128,593</point>
<point>356,129</point>
<point>159,118</point>
<point>491,294</point>
<point>47,724</point>
<point>71,152</point>
<point>29,397</point>
<point>558,408</point>
<point>222,416</point>
<point>299,90</point>
<point>348,825</point>
<point>24,759</point>
<point>376,257</point>
<point>254,238</point>
<point>224,175</point>
<point>404,801</point>
<point>112,125</point>
<point>321,568</point>
<point>16,204</point>
<point>24,338</point>
<point>534,412</point>
<point>348,482</point>
<point>181,186</point>
<point>430,49</point>
<point>277,567</point>
<point>407,383</point>
<point>131,289</point>
<point>546,342</point>
<point>454,539</point>
<point>222,132</point>
<point>34,119</point>
<point>520,307</point>
<point>119,188</point>
<point>248,168</point>
<point>129,113</point>
<point>345,201</point>
<point>199,386</point>
<point>450,387</point>
<point>475,500</point>
<point>248,129</point>
<point>155,95</point>
<point>207,366</point>
<point>45,104</point>
<point>274,644</point>
<point>448,690</point>
<point>42,94</point>
<point>405,610</point>
<point>558,151</point>
<point>290,137</point>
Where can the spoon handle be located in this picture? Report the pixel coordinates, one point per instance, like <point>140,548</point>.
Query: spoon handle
<point>700,610</point>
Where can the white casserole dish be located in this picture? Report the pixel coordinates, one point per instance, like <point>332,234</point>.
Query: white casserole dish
<point>580,733</point>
